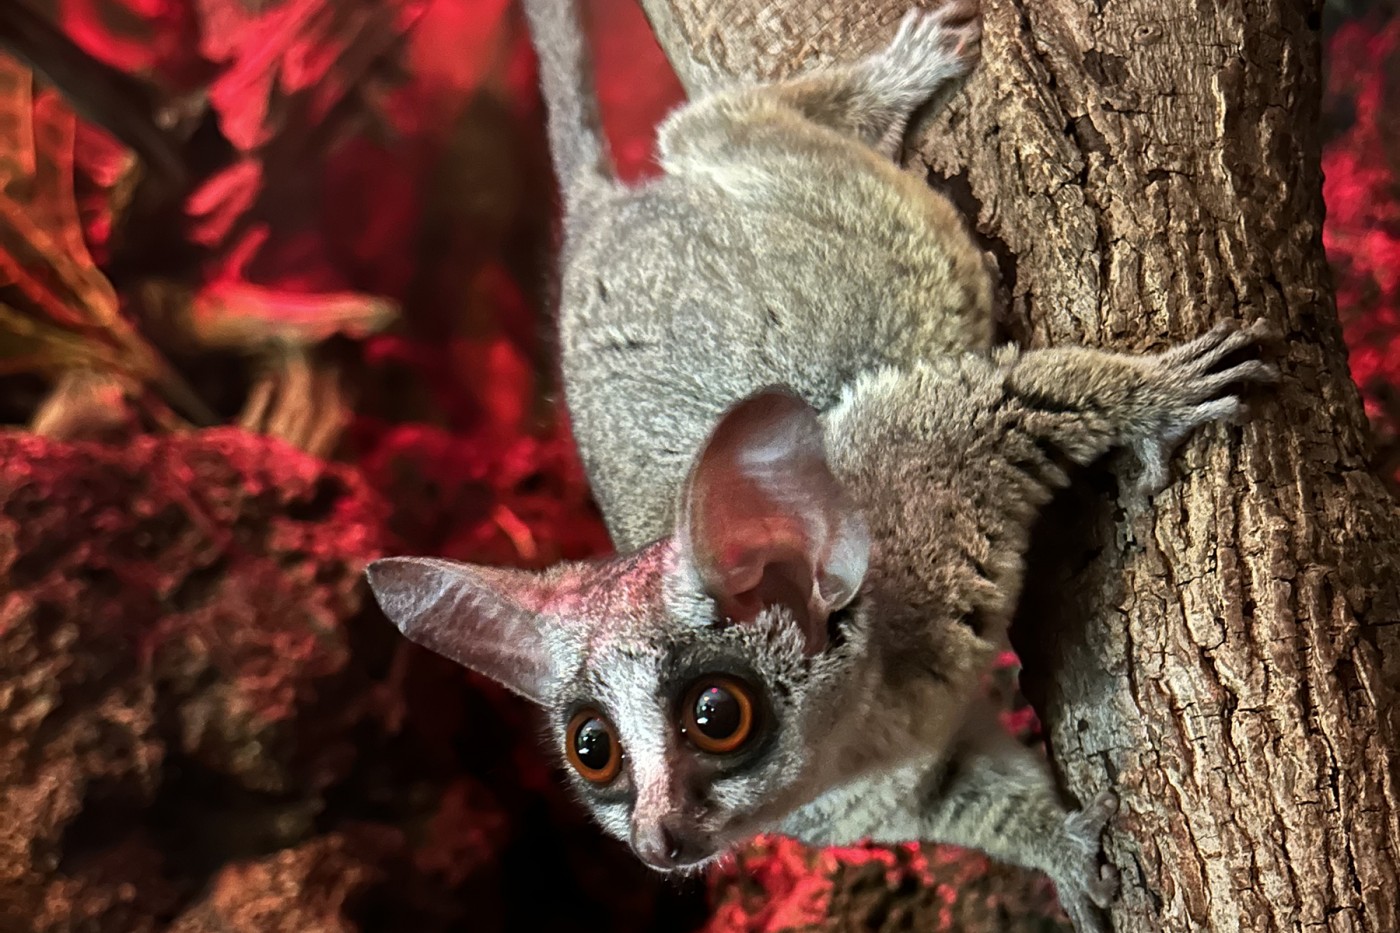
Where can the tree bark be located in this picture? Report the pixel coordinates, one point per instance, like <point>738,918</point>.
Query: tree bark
<point>1228,662</point>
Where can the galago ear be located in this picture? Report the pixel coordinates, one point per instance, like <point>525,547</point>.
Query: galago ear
<point>485,618</point>
<point>765,522</point>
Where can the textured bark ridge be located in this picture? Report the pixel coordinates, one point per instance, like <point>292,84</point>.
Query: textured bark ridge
<point>1141,169</point>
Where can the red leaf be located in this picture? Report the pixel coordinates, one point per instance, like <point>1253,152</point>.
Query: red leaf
<point>222,200</point>
<point>312,50</point>
<point>148,37</point>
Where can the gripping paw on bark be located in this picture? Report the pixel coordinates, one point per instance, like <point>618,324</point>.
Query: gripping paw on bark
<point>1186,388</point>
<point>931,48</point>
<point>1082,884</point>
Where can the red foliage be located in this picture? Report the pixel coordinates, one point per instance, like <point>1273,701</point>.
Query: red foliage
<point>636,87</point>
<point>100,162</point>
<point>224,197</point>
<point>781,885</point>
<point>477,497</point>
<point>139,36</point>
<point>1362,190</point>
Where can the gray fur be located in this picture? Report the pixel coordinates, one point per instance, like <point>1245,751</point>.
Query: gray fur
<point>575,130</point>
<point>852,543</point>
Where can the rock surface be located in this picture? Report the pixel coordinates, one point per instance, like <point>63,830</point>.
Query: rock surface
<point>206,725</point>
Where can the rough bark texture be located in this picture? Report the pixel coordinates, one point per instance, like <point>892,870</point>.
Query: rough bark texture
<point>1142,168</point>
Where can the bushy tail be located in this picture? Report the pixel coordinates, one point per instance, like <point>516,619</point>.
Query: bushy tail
<point>566,76</point>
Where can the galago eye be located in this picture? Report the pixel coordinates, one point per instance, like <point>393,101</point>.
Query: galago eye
<point>718,714</point>
<point>591,745</point>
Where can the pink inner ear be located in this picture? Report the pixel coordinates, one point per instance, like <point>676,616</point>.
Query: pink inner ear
<point>764,520</point>
<point>755,563</point>
<point>785,584</point>
<point>739,563</point>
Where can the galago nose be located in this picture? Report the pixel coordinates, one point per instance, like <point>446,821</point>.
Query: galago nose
<point>666,846</point>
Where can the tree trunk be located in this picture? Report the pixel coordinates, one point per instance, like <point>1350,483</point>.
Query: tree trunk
<point>1228,662</point>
